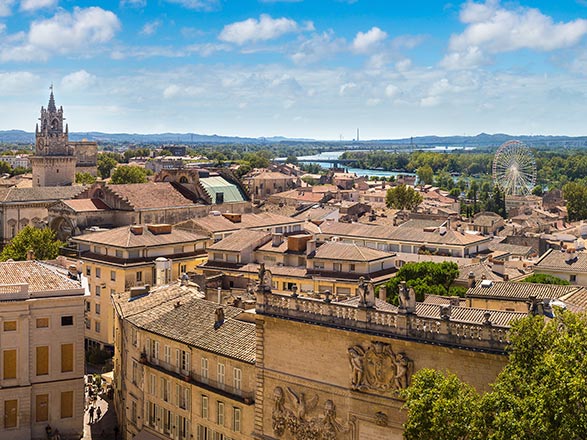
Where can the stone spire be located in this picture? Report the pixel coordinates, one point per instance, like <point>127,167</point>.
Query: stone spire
<point>51,107</point>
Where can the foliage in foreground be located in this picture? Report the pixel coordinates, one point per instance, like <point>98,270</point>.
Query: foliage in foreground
<point>41,241</point>
<point>541,394</point>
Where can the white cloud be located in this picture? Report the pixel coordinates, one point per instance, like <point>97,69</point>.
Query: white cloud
<point>79,80</point>
<point>366,42</point>
<point>346,87</point>
<point>151,27</point>
<point>33,5</point>
<point>133,3</point>
<point>2,28</point>
<point>372,102</point>
<point>15,83</point>
<point>175,91</point>
<point>318,48</point>
<point>253,30</point>
<point>492,28</point>
<point>64,33</point>
<point>392,91</point>
<point>199,5</point>
<point>6,7</point>
<point>403,65</point>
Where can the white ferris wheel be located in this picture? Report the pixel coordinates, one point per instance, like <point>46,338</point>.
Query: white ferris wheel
<point>514,169</point>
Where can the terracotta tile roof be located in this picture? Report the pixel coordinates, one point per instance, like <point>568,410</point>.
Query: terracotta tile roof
<point>409,232</point>
<point>38,194</point>
<point>379,304</point>
<point>182,316</point>
<point>443,300</point>
<point>558,260</point>
<point>356,230</point>
<point>521,291</point>
<point>38,276</point>
<point>577,301</point>
<point>219,223</point>
<point>150,195</point>
<point>84,205</point>
<point>470,315</point>
<point>271,175</point>
<point>240,240</point>
<point>484,270</point>
<point>349,252</point>
<point>276,270</point>
<point>302,196</point>
<point>123,237</point>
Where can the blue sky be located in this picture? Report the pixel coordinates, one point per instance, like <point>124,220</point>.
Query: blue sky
<point>307,68</point>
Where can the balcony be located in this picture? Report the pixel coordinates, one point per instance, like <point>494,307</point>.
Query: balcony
<point>243,396</point>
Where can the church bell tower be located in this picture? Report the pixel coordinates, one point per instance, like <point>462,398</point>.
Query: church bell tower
<point>54,160</point>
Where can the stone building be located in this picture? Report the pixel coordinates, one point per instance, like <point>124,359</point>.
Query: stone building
<point>116,260</point>
<point>41,344</point>
<point>20,207</point>
<point>339,374</point>
<point>184,367</point>
<point>54,160</point>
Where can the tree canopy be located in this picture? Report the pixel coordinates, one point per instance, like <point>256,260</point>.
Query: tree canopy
<point>129,174</point>
<point>106,163</point>
<point>542,278</point>
<point>426,277</point>
<point>84,178</point>
<point>576,196</point>
<point>42,242</point>
<point>403,197</point>
<point>541,394</point>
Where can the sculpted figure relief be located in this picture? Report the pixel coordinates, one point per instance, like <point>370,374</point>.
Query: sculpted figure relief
<point>296,419</point>
<point>379,368</point>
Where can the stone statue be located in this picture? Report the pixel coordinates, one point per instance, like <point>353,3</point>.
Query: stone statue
<point>264,282</point>
<point>403,367</point>
<point>356,356</point>
<point>279,413</point>
<point>300,404</point>
<point>362,292</point>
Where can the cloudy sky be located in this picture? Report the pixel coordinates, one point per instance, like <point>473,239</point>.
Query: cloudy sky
<point>298,68</point>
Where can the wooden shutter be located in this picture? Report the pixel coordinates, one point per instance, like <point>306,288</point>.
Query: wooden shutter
<point>66,404</point>
<point>9,364</point>
<point>66,357</point>
<point>10,413</point>
<point>42,360</point>
<point>42,408</point>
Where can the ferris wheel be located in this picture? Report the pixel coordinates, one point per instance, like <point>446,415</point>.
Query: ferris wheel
<point>514,169</point>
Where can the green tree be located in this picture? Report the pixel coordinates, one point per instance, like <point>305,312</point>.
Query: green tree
<point>576,196</point>
<point>542,278</point>
<point>42,242</point>
<point>5,168</point>
<point>403,197</point>
<point>293,159</point>
<point>84,178</point>
<point>129,174</point>
<point>106,163</point>
<point>425,277</point>
<point>425,175</point>
<point>441,407</point>
<point>541,394</point>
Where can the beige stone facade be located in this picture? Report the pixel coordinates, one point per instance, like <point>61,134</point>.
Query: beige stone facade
<point>339,373</point>
<point>41,344</point>
<point>181,371</point>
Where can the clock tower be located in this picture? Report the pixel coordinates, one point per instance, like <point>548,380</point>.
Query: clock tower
<point>54,160</point>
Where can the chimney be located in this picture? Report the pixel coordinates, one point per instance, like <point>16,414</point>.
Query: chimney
<point>162,271</point>
<point>277,239</point>
<point>471,280</point>
<point>159,229</point>
<point>383,293</point>
<point>233,217</point>
<point>30,255</point>
<point>219,318</point>
<point>499,267</point>
<point>136,229</point>
<point>310,247</point>
<point>570,256</point>
<point>139,291</point>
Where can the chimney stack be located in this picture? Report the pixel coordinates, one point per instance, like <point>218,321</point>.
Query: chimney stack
<point>471,280</point>
<point>277,239</point>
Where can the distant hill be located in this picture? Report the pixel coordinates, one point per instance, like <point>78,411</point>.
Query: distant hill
<point>482,139</point>
<point>20,136</point>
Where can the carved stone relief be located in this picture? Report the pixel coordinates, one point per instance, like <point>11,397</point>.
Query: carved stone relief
<point>379,368</point>
<point>296,418</point>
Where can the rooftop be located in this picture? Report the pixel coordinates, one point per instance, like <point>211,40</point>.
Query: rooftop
<point>562,261</point>
<point>150,195</point>
<point>39,277</point>
<point>39,194</point>
<point>240,240</point>
<point>124,237</point>
<point>520,291</point>
<point>179,313</point>
<point>349,252</point>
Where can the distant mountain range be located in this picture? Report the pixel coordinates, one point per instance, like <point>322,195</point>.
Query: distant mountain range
<point>482,139</point>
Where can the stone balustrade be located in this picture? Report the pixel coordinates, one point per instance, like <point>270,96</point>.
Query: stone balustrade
<point>472,336</point>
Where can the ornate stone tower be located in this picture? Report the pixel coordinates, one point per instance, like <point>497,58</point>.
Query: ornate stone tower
<point>54,160</point>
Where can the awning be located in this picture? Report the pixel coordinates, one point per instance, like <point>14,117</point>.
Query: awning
<point>108,377</point>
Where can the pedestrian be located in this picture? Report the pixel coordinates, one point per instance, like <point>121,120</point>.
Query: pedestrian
<point>98,413</point>
<point>91,414</point>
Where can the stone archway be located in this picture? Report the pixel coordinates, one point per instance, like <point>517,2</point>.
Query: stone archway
<point>63,228</point>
